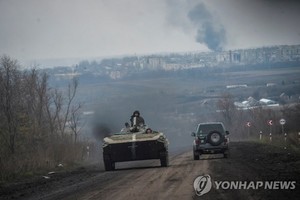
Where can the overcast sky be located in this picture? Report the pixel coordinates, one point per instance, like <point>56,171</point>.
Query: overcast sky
<point>43,29</point>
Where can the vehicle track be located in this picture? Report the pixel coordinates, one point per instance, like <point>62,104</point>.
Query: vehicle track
<point>152,183</point>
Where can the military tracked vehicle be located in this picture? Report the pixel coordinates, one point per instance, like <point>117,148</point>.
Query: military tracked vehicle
<point>135,143</point>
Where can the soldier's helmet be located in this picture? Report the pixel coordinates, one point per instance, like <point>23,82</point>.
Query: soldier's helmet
<point>136,113</point>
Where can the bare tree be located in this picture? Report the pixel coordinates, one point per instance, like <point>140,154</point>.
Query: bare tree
<point>75,118</point>
<point>72,88</point>
<point>10,98</point>
<point>53,110</point>
<point>227,108</point>
<point>33,119</point>
<point>35,86</point>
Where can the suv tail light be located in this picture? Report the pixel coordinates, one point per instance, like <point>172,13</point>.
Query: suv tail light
<point>197,141</point>
<point>225,140</point>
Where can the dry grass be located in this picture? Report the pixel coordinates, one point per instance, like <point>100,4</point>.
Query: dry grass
<point>41,160</point>
<point>291,142</point>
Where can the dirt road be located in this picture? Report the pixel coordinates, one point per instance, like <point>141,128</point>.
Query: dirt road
<point>249,162</point>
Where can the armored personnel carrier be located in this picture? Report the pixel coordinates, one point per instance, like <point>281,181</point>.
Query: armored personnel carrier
<point>135,143</point>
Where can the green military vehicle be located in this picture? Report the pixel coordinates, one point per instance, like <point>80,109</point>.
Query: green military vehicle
<point>135,143</point>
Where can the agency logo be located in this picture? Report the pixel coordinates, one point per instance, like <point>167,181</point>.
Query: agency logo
<point>202,185</point>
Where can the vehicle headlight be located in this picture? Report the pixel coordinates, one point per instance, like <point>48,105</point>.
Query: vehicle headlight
<point>161,139</point>
<point>105,144</point>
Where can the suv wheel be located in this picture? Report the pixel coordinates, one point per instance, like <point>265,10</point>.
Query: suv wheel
<point>226,154</point>
<point>196,155</point>
<point>215,138</point>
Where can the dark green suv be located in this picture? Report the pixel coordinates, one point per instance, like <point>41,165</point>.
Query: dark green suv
<point>210,138</point>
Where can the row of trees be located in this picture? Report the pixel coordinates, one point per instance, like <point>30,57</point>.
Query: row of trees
<point>35,120</point>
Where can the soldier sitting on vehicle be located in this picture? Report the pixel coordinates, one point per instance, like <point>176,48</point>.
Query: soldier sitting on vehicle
<point>136,121</point>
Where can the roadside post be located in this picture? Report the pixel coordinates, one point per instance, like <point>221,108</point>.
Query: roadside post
<point>270,123</point>
<point>282,123</point>
<point>285,135</point>
<point>88,152</point>
<point>248,124</point>
<point>260,135</point>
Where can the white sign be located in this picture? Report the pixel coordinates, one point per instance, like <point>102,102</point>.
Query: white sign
<point>248,124</point>
<point>270,122</point>
<point>282,121</point>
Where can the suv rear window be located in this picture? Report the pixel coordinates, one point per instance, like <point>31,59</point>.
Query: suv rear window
<point>204,129</point>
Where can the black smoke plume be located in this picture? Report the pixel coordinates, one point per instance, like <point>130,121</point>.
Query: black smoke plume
<point>209,31</point>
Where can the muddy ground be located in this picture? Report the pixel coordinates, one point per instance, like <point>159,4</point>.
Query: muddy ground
<point>249,161</point>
